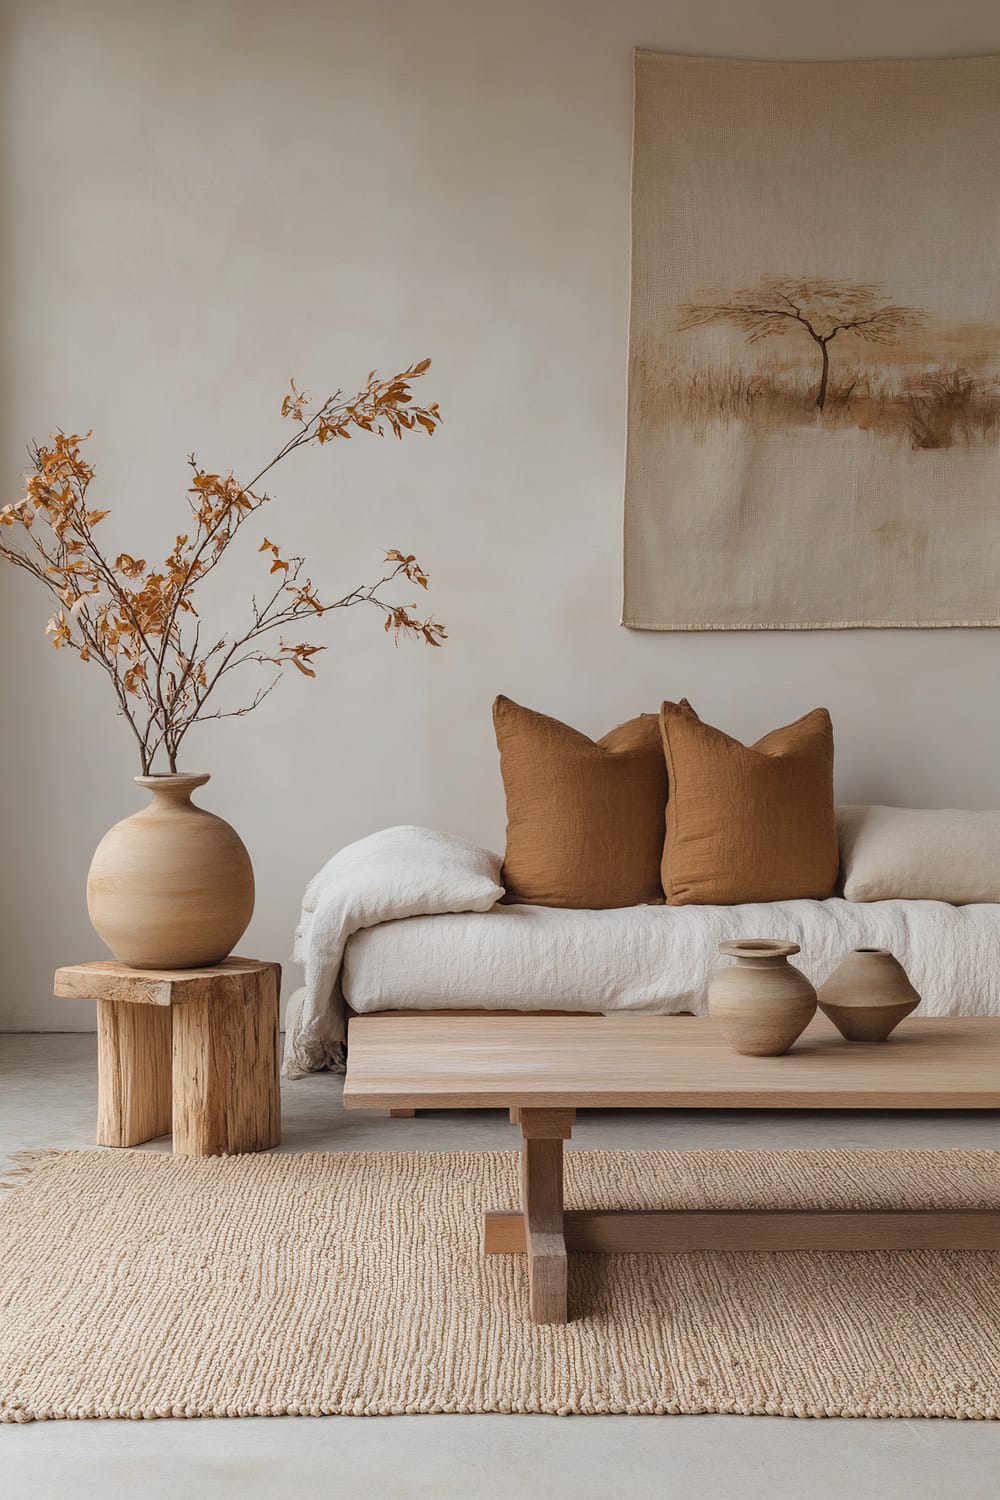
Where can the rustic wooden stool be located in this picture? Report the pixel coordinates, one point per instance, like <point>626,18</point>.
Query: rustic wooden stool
<point>189,1050</point>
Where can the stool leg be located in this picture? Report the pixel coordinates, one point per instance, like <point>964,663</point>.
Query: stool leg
<point>133,1072</point>
<point>225,1070</point>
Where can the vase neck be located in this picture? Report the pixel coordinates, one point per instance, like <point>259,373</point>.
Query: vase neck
<point>757,953</point>
<point>173,789</point>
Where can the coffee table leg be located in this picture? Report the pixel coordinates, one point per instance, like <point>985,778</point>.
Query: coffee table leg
<point>543,1132</point>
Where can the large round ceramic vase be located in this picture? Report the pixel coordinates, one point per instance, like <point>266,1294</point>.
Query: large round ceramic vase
<point>171,887</point>
<point>867,995</point>
<point>762,1003</point>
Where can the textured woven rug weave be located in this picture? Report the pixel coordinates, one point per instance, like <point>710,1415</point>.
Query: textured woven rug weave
<point>143,1285</point>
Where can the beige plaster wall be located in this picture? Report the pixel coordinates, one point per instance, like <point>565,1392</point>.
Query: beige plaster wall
<point>202,199</point>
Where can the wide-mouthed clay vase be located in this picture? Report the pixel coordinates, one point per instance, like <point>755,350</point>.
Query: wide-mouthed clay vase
<point>762,1003</point>
<point>171,887</point>
<point>867,995</point>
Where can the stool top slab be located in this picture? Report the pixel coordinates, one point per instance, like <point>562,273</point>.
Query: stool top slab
<point>107,979</point>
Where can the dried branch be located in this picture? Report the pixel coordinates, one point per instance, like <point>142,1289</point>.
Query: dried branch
<point>140,623</point>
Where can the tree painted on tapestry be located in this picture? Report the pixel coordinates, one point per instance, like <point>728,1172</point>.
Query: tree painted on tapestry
<point>822,310</point>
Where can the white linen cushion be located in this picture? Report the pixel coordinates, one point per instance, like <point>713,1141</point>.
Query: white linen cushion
<point>919,854</point>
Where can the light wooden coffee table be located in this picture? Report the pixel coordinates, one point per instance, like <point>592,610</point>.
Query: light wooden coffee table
<point>544,1068</point>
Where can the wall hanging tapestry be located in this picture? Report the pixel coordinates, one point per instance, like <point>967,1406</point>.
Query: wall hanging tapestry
<point>814,361</point>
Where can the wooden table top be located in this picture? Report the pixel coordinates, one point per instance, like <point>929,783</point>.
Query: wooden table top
<point>107,979</point>
<point>646,1062</point>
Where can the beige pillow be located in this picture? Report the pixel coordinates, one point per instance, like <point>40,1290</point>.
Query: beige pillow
<point>748,822</point>
<point>584,818</point>
<point>919,854</point>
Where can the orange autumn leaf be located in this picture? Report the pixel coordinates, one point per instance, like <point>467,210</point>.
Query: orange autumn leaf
<point>294,403</point>
<point>58,629</point>
<point>132,567</point>
<point>134,677</point>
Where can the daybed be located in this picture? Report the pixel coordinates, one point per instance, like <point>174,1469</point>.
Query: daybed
<point>409,919</point>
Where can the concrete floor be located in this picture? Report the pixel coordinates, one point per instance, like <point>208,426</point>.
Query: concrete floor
<point>47,1098</point>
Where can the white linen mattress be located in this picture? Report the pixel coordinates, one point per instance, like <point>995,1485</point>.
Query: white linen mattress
<point>658,959</point>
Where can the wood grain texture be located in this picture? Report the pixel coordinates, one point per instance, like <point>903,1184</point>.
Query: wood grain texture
<point>192,1050</point>
<point>544,1124</point>
<point>675,1231</point>
<point>107,979</point>
<point>681,1062</point>
<point>133,1072</point>
<point>225,1069</point>
<point>478,1010</point>
<point>542,1228</point>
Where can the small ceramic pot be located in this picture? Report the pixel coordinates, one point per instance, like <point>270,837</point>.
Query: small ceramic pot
<point>762,1003</point>
<point>867,995</point>
<point>171,887</point>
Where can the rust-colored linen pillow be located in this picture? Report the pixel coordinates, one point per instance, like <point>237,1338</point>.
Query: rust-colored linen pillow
<point>748,822</point>
<point>584,819</point>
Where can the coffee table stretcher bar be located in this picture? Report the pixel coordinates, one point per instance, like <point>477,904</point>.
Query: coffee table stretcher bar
<point>455,1071</point>
<point>546,1232</point>
<point>194,1051</point>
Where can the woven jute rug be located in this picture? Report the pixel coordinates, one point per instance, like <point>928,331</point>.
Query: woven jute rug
<point>143,1285</point>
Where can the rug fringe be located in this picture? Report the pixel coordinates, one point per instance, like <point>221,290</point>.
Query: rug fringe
<point>18,1167</point>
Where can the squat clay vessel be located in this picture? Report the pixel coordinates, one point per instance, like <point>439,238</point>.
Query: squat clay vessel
<point>762,1003</point>
<point>867,995</point>
<point>171,887</point>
